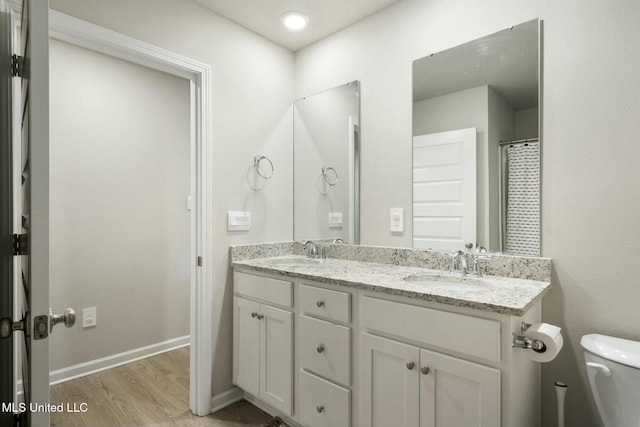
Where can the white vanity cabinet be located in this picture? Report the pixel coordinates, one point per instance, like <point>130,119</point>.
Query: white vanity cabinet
<point>404,385</point>
<point>428,365</point>
<point>324,346</point>
<point>324,355</point>
<point>263,339</point>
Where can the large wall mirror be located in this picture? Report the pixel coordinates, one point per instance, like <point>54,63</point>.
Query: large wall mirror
<point>326,135</point>
<point>476,147</point>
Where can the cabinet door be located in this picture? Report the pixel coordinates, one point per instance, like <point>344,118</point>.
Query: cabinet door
<point>276,358</point>
<point>457,393</point>
<point>246,345</point>
<point>389,382</point>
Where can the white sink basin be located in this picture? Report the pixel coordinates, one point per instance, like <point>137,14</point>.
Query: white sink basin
<point>296,261</point>
<point>447,281</point>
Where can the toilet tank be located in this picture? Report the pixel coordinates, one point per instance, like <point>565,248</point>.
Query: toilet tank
<point>613,368</point>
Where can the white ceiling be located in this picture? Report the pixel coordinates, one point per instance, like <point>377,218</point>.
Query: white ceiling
<point>506,61</point>
<point>325,17</point>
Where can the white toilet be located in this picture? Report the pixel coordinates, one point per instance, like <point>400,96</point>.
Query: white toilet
<point>613,367</point>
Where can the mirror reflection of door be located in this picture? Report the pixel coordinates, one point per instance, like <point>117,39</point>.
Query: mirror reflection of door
<point>490,84</point>
<point>444,189</point>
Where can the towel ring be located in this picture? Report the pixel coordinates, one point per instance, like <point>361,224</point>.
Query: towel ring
<point>326,171</point>
<point>256,164</point>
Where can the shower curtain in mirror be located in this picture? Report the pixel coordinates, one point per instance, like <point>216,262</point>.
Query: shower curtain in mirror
<point>523,199</point>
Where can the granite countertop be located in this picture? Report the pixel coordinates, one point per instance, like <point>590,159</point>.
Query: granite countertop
<point>511,296</point>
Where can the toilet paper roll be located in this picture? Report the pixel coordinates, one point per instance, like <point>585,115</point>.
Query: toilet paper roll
<point>551,337</point>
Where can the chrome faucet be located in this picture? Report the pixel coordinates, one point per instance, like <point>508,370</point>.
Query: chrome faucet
<point>313,249</point>
<point>337,241</point>
<point>459,263</point>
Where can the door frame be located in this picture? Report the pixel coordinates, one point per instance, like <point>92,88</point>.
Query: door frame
<point>84,34</point>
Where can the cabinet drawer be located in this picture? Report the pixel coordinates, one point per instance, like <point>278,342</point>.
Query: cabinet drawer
<point>456,332</point>
<point>275,291</point>
<point>333,305</point>
<point>322,403</point>
<point>325,349</point>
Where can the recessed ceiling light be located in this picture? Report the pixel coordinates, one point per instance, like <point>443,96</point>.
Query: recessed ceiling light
<point>294,20</point>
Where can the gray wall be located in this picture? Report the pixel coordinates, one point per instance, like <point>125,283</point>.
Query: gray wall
<point>590,192</point>
<point>251,96</point>
<point>119,220</point>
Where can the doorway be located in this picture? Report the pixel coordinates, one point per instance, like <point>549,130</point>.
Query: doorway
<point>77,32</point>
<point>119,209</point>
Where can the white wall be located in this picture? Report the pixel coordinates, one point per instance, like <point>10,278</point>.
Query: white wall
<point>120,144</point>
<point>501,128</point>
<point>526,123</point>
<point>590,195</point>
<point>251,114</point>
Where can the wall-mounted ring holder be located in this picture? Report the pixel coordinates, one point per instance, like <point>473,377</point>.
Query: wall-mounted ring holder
<point>329,175</point>
<point>257,160</point>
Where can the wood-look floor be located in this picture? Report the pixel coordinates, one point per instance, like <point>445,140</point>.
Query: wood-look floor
<point>150,392</point>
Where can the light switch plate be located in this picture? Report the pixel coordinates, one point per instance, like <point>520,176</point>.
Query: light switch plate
<point>335,219</point>
<point>396,220</point>
<point>238,221</point>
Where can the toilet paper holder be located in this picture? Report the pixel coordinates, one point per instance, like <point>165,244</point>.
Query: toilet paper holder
<point>521,341</point>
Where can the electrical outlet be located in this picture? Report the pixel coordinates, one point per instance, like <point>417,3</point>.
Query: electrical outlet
<point>89,317</point>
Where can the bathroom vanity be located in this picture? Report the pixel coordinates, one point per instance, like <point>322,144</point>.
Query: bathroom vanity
<point>343,342</point>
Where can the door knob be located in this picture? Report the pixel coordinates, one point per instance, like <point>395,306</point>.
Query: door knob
<point>425,370</point>
<point>320,348</point>
<point>68,317</point>
<point>7,326</point>
<point>410,365</point>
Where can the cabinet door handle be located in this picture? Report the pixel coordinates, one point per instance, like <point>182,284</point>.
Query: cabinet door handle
<point>410,366</point>
<point>260,316</point>
<point>320,303</point>
<point>425,370</point>
<point>319,408</point>
<point>320,348</point>
<point>254,314</point>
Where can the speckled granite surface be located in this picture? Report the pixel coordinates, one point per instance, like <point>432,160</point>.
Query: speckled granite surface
<point>498,265</point>
<point>506,295</point>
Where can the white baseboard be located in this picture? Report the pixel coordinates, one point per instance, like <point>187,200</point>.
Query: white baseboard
<point>226,398</point>
<point>97,365</point>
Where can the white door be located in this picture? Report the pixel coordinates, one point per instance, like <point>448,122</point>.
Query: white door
<point>457,393</point>
<point>389,389</point>
<point>31,232</point>
<point>246,345</point>
<point>444,189</point>
<point>276,358</point>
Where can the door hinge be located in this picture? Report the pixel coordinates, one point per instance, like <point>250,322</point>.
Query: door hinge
<point>19,419</point>
<point>20,244</point>
<point>199,261</point>
<point>17,66</point>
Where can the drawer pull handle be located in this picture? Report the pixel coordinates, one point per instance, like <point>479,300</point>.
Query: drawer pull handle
<point>320,348</point>
<point>410,366</point>
<point>425,370</point>
<point>320,408</point>
<point>260,316</point>
<point>320,303</point>
<point>254,314</point>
